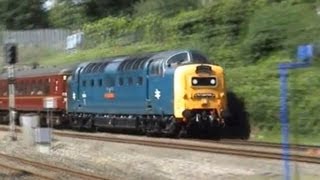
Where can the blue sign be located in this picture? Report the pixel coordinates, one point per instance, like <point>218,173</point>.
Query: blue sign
<point>305,53</point>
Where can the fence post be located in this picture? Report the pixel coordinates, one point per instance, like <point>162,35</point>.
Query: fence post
<point>284,121</point>
<point>283,70</point>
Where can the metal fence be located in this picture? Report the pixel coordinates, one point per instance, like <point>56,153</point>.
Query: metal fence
<point>51,38</point>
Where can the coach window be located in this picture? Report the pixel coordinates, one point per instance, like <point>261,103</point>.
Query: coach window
<point>33,87</point>
<point>22,88</point>
<point>1,89</point>
<point>40,87</point>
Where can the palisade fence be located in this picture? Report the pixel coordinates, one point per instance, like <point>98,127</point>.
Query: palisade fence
<point>50,38</point>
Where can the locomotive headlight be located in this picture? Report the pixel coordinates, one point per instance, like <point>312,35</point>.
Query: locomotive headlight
<point>213,81</point>
<point>194,81</point>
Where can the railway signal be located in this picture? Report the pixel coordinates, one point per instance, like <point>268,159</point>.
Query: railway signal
<point>11,53</point>
<point>10,50</point>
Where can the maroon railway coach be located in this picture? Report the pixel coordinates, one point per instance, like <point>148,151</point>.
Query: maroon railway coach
<point>34,89</point>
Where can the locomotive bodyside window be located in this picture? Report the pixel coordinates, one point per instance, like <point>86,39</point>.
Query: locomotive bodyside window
<point>92,82</point>
<point>100,82</point>
<point>139,80</point>
<point>130,81</point>
<point>121,82</point>
<point>84,83</point>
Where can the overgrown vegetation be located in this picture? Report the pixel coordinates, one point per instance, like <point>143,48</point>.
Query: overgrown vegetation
<point>247,37</point>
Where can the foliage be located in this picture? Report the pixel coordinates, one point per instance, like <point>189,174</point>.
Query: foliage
<point>249,38</point>
<point>97,9</point>
<point>220,23</point>
<point>280,26</point>
<point>109,29</point>
<point>66,14</point>
<point>163,7</point>
<point>23,14</point>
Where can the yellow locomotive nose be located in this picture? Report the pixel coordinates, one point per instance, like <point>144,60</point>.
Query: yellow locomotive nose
<point>199,89</point>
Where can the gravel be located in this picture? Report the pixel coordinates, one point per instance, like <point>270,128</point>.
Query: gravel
<point>127,161</point>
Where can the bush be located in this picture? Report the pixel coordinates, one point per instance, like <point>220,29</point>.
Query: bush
<point>280,26</point>
<point>164,8</point>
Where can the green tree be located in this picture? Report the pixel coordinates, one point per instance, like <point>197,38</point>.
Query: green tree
<point>23,14</point>
<point>164,7</point>
<point>67,14</point>
<point>96,9</point>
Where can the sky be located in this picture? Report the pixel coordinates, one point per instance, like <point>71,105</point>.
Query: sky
<point>48,4</point>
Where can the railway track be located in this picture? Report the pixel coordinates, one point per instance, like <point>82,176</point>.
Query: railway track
<point>43,171</point>
<point>209,146</point>
<point>200,147</point>
<point>296,147</point>
<point>16,172</point>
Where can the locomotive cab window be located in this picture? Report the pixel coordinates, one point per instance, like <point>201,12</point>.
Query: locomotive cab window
<point>177,60</point>
<point>199,58</point>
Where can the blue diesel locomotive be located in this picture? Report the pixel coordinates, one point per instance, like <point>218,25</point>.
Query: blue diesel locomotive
<point>170,92</point>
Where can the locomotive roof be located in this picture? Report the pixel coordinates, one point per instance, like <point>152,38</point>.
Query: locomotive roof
<point>39,72</point>
<point>127,62</point>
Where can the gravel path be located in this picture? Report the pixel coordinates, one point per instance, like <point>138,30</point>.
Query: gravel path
<point>126,161</point>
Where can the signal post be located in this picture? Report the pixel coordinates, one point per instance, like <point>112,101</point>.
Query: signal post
<point>10,50</point>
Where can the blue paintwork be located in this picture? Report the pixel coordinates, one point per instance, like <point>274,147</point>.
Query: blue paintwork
<point>283,71</point>
<point>129,99</point>
<point>305,53</point>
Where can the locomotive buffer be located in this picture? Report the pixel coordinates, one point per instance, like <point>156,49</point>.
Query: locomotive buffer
<point>10,50</point>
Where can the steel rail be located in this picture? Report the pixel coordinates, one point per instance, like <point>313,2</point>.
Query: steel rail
<point>50,168</point>
<point>3,166</point>
<point>209,148</point>
<point>298,147</point>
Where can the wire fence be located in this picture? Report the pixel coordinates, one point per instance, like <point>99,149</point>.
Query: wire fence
<point>51,38</point>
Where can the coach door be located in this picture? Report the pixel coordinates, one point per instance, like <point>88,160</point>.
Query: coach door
<point>155,86</point>
<point>148,98</point>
